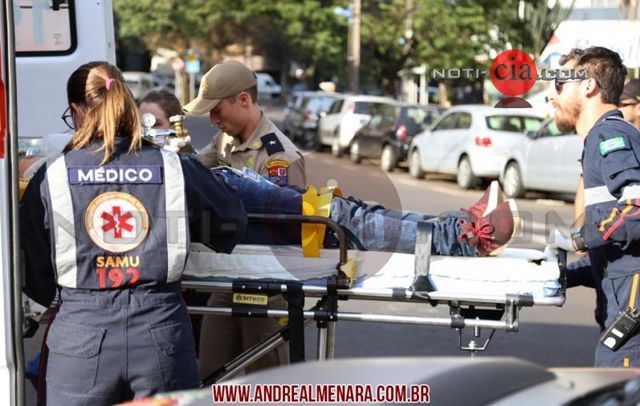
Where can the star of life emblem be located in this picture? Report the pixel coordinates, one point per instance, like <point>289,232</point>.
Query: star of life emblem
<point>117,222</point>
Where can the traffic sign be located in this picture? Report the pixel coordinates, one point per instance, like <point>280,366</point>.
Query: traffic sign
<point>177,64</point>
<point>192,61</point>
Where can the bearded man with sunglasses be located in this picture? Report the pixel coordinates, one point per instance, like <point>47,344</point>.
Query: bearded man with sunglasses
<point>611,173</point>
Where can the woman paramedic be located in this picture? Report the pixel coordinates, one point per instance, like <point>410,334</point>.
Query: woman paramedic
<point>108,225</point>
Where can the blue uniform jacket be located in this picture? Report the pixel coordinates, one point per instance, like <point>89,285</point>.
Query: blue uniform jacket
<point>611,171</point>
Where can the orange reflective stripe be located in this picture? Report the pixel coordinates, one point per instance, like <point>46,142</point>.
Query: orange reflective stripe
<point>626,362</point>
<point>634,291</point>
<point>617,224</point>
<point>609,220</point>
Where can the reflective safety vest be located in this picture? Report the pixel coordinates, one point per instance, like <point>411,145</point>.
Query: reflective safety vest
<point>123,223</point>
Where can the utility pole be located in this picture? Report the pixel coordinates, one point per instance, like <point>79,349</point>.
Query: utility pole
<point>353,47</point>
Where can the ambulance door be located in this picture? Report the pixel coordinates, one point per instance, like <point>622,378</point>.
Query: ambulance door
<point>11,354</point>
<point>53,38</point>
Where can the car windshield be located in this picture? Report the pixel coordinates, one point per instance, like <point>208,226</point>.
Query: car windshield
<point>551,130</point>
<point>513,123</point>
<point>417,116</point>
<point>364,107</point>
<point>318,104</point>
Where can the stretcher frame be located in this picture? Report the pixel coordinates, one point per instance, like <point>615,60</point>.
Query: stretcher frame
<point>492,312</point>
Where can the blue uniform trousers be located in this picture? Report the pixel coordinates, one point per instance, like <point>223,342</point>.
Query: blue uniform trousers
<point>109,346</point>
<point>621,293</point>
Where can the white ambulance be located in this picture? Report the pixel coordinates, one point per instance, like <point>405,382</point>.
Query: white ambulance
<point>43,42</point>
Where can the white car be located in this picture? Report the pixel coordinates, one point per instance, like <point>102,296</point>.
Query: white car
<point>140,83</point>
<point>347,115</point>
<point>547,160</point>
<point>267,86</point>
<point>470,142</point>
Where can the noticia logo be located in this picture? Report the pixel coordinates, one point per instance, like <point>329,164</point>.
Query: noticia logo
<point>513,73</point>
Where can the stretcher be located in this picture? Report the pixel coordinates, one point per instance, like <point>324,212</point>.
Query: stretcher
<point>481,293</point>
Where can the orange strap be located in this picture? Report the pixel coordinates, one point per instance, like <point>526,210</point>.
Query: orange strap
<point>634,292</point>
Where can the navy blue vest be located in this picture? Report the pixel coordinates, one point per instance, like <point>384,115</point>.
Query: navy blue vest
<point>119,224</point>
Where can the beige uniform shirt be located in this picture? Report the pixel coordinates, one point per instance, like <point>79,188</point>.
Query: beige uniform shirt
<point>267,152</point>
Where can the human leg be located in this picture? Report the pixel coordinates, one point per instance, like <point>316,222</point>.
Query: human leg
<point>107,347</point>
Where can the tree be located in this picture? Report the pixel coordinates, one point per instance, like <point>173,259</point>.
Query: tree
<point>631,6</point>
<point>446,34</point>
<point>543,21</point>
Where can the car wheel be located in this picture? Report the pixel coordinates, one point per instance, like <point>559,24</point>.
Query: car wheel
<point>415,170</point>
<point>335,146</point>
<point>354,152</point>
<point>512,181</point>
<point>389,159</point>
<point>309,140</point>
<point>466,179</point>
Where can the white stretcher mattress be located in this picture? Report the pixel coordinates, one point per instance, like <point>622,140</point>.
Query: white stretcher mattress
<point>515,271</point>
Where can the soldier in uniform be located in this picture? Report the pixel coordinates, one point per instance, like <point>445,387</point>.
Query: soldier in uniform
<point>247,138</point>
<point>105,224</point>
<point>611,172</point>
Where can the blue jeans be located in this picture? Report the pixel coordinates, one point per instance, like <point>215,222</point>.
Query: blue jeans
<point>368,227</point>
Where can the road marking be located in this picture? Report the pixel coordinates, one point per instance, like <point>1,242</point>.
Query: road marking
<point>550,202</point>
<point>439,189</point>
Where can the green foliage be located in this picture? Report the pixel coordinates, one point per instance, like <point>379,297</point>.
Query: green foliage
<point>395,34</point>
<point>542,22</point>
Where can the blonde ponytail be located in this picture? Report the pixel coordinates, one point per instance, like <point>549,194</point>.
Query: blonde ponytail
<point>110,109</point>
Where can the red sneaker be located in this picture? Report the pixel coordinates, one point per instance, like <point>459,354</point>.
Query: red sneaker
<point>493,232</point>
<point>491,199</point>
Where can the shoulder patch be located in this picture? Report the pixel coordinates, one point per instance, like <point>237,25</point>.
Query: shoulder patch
<point>278,170</point>
<point>613,144</point>
<point>272,143</point>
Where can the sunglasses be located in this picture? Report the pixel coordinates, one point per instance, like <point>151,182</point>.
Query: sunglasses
<point>67,117</point>
<point>627,104</point>
<point>560,82</point>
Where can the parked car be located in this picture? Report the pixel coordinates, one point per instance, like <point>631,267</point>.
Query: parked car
<point>470,142</point>
<point>547,160</point>
<point>390,131</point>
<point>459,381</point>
<point>140,83</point>
<point>267,86</point>
<point>346,116</point>
<point>291,111</point>
<point>302,117</point>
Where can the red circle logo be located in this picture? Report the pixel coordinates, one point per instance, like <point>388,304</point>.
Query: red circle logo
<point>513,73</point>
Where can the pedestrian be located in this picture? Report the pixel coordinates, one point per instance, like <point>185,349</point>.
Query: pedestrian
<point>611,175</point>
<point>108,226</point>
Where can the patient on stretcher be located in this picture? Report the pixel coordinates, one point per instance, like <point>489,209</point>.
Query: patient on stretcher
<point>483,229</point>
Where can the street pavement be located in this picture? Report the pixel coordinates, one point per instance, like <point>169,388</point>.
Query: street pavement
<point>550,336</point>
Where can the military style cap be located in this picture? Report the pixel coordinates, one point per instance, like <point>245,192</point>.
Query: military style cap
<point>223,80</point>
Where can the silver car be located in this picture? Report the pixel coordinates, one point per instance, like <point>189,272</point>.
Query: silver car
<point>470,142</point>
<point>546,160</point>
